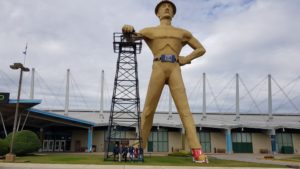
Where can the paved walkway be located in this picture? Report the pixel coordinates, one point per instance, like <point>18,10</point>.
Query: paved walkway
<point>258,158</point>
<point>79,166</point>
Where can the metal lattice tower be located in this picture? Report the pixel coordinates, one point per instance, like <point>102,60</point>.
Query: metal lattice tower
<point>125,106</point>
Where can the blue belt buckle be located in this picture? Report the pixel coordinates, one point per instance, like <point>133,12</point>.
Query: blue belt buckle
<point>168,58</point>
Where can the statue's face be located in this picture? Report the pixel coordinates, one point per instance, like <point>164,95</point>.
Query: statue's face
<point>165,10</point>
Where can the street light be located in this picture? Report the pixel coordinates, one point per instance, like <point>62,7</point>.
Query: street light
<point>10,157</point>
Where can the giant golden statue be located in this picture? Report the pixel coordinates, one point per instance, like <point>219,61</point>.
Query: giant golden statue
<point>166,42</point>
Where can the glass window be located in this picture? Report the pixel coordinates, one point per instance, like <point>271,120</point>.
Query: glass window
<point>238,137</point>
<point>234,137</point>
<point>205,141</point>
<point>160,136</point>
<point>160,147</point>
<point>249,138</point>
<point>241,137</point>
<point>165,147</point>
<point>284,143</point>
<point>155,147</point>
<point>150,137</point>
<point>204,137</point>
<point>244,137</point>
<point>278,138</point>
<point>284,139</point>
<point>288,138</point>
<point>159,140</point>
<point>154,136</point>
<point>116,134</point>
<point>165,136</point>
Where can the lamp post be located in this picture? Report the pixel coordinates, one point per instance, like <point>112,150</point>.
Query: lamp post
<point>10,157</point>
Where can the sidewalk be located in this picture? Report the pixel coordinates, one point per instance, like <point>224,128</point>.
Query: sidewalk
<point>80,166</point>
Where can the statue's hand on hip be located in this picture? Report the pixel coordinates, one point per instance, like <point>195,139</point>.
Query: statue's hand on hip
<point>183,60</point>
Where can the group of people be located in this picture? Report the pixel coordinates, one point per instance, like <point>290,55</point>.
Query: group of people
<point>121,153</point>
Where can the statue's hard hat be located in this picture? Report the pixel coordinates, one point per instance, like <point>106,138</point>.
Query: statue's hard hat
<point>165,1</point>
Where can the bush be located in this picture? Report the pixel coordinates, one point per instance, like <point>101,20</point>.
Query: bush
<point>4,147</point>
<point>24,142</point>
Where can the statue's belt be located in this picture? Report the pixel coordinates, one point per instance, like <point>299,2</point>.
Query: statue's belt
<point>166,58</point>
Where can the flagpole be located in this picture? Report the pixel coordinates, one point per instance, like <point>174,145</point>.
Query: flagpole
<point>25,53</point>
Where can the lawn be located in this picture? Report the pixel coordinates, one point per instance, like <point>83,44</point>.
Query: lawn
<point>154,160</point>
<point>291,159</point>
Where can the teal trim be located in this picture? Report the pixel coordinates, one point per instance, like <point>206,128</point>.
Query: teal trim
<point>228,141</point>
<point>31,101</point>
<point>90,139</point>
<point>71,119</point>
<point>273,143</point>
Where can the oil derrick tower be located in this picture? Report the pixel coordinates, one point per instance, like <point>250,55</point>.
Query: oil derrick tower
<point>125,105</point>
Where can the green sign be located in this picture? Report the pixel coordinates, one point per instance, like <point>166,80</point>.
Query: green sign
<point>4,98</point>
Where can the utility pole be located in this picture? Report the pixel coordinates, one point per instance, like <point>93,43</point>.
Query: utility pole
<point>67,93</point>
<point>101,115</point>
<point>10,157</point>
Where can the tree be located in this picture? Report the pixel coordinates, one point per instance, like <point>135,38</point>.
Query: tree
<point>4,147</point>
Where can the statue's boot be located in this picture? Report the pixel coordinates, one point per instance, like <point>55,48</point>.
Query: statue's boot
<point>198,155</point>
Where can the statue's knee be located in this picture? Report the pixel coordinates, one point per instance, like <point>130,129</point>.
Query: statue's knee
<point>186,114</point>
<point>147,114</point>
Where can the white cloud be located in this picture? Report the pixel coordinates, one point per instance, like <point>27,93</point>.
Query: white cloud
<point>251,37</point>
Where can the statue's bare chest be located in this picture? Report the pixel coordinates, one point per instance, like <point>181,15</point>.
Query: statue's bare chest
<point>166,33</point>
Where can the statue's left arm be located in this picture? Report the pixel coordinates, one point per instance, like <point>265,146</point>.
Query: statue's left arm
<point>194,44</point>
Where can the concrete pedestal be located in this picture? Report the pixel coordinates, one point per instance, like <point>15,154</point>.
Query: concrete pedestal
<point>10,158</point>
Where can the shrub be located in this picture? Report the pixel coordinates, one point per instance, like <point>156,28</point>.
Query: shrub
<point>4,147</point>
<point>24,142</point>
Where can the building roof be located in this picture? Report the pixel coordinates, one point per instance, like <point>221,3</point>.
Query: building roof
<point>62,118</point>
<point>82,118</point>
<point>38,118</point>
<point>8,110</point>
<point>10,107</point>
<point>212,120</point>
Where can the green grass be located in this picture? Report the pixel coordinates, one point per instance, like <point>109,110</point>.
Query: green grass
<point>291,159</point>
<point>154,160</point>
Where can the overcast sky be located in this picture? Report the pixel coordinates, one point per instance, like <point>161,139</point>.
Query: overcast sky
<point>251,37</point>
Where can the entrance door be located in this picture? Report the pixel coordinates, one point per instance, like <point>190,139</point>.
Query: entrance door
<point>50,145</point>
<point>57,145</point>
<point>205,141</point>
<point>242,143</point>
<point>45,145</point>
<point>284,143</point>
<point>62,145</point>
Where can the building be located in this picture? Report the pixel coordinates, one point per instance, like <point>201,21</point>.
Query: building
<point>81,130</point>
